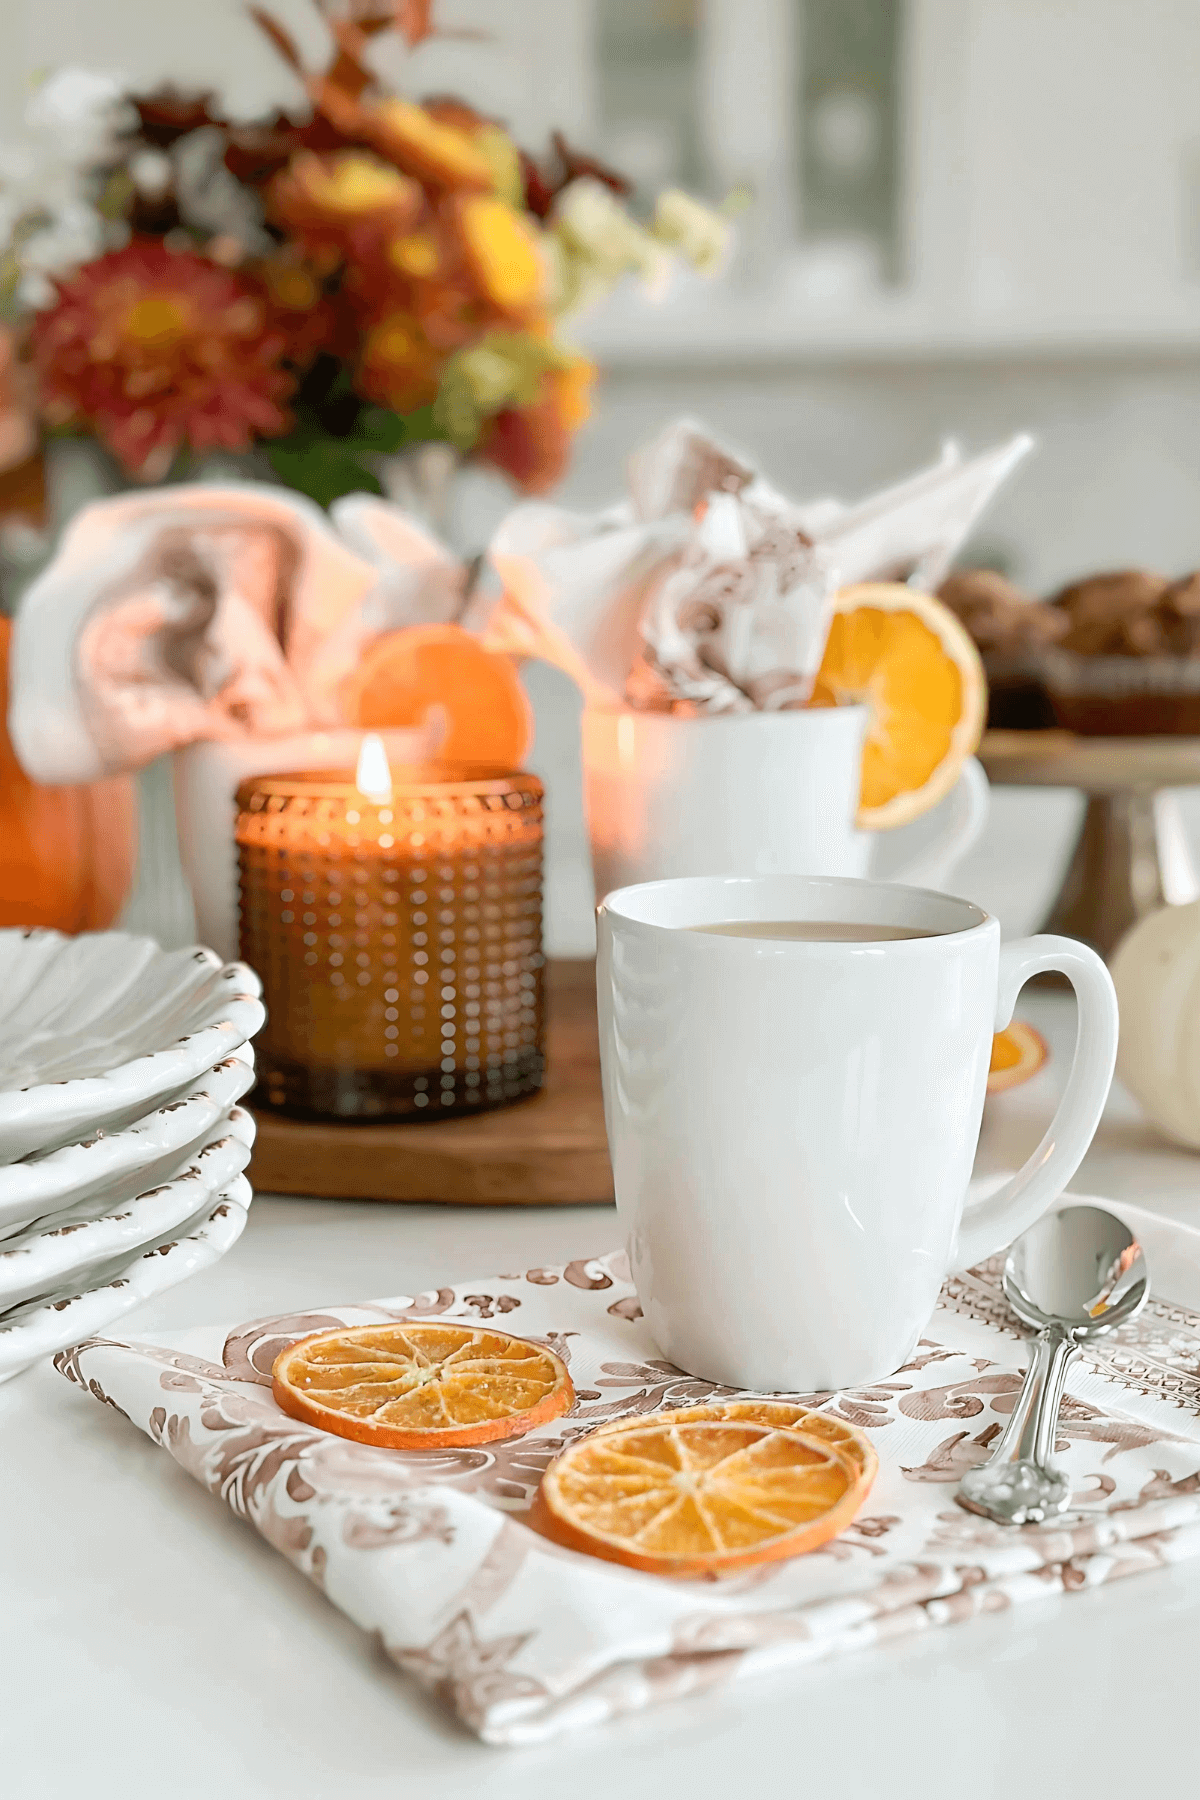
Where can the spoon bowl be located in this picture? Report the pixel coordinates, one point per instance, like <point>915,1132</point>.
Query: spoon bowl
<point>1079,1269</point>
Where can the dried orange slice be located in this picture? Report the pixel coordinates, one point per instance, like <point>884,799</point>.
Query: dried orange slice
<point>406,673</point>
<point>697,1499</point>
<point>782,1414</point>
<point>1018,1052</point>
<point>907,657</point>
<point>429,1385</point>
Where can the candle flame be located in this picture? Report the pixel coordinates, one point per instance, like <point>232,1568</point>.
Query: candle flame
<point>373,776</point>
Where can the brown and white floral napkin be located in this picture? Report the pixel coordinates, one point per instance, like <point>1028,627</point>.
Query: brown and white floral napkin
<point>430,1551</point>
<point>705,590</point>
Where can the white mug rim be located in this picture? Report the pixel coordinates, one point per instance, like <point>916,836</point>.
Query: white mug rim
<point>976,922</point>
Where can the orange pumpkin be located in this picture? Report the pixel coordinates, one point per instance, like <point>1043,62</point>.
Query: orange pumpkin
<point>66,853</point>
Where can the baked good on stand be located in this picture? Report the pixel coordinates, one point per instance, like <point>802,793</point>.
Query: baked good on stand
<point>1116,654</point>
<point>1129,662</point>
<point>1010,629</point>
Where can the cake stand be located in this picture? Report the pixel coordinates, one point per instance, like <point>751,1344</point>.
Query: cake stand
<point>1132,856</point>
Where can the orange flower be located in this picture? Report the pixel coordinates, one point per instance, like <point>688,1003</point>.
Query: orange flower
<point>18,426</point>
<point>408,135</point>
<point>399,366</point>
<point>330,200</point>
<point>532,444</point>
<point>153,349</point>
<point>419,273</point>
<point>298,307</point>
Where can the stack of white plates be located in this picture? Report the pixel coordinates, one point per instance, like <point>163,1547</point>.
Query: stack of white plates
<point>121,1141</point>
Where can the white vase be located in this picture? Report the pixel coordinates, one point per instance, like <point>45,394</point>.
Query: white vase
<point>460,502</point>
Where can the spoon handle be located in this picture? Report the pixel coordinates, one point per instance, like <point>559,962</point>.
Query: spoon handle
<point>1030,1432</point>
<point>1018,1484</point>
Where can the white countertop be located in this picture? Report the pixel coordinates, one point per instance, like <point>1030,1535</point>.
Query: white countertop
<point>152,1647</point>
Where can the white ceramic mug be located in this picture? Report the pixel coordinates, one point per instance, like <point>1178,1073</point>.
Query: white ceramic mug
<point>792,1123</point>
<point>753,793</point>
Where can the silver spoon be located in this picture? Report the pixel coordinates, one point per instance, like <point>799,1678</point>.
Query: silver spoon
<point>1075,1275</point>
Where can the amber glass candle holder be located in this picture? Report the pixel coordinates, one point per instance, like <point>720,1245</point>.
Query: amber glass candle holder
<point>399,941</point>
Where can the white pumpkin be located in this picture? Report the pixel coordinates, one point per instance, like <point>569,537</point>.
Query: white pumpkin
<point>1156,972</point>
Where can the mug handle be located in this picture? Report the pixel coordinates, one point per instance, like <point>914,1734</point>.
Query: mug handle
<point>966,815</point>
<point>991,1224</point>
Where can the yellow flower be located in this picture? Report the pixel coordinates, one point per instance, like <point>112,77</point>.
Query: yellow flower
<point>323,197</point>
<point>426,147</point>
<point>502,251</point>
<point>416,255</point>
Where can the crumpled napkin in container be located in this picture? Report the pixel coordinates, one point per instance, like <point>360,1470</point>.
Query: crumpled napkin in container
<point>706,590</point>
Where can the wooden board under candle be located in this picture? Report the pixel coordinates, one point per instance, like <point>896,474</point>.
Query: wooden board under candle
<point>547,1151</point>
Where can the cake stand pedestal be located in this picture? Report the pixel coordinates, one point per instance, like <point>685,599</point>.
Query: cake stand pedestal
<point>1132,856</point>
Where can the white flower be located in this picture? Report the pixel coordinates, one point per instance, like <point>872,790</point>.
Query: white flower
<point>79,114</point>
<point>73,234</point>
<point>48,224</point>
<point>598,243</point>
<point>699,233</point>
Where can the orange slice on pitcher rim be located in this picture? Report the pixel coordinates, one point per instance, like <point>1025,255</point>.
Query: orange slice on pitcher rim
<point>425,1385</point>
<point>781,1414</point>
<point>404,674</point>
<point>1018,1052</point>
<point>906,657</point>
<point>704,1498</point>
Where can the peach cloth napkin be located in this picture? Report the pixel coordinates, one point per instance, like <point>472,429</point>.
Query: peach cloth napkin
<point>430,1552</point>
<point>197,612</point>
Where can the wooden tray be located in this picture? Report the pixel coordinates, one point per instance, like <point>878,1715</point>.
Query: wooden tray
<point>548,1151</point>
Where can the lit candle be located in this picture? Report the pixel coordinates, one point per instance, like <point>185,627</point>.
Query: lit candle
<point>395,920</point>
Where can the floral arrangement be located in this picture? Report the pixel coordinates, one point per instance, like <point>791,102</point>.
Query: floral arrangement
<point>328,290</point>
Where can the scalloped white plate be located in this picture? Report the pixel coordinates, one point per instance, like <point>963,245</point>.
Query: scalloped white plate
<point>40,1327</point>
<point>69,1247</point>
<point>111,1165</point>
<point>98,1030</point>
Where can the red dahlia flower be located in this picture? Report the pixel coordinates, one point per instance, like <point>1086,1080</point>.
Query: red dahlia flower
<point>153,348</point>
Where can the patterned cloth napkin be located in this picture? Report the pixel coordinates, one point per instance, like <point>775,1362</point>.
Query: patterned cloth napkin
<point>430,1553</point>
<point>705,590</point>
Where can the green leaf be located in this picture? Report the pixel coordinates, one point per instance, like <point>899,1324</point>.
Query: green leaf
<point>324,468</point>
<point>384,432</point>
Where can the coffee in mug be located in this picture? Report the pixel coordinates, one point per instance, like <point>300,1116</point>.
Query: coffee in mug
<point>813,931</point>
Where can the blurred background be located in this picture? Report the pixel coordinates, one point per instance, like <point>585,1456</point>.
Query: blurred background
<point>963,217</point>
<point>967,215</point>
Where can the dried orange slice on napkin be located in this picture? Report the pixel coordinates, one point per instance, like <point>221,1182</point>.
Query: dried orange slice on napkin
<point>1018,1052</point>
<point>782,1414</point>
<point>906,657</point>
<point>703,1498</point>
<point>404,674</point>
<point>429,1385</point>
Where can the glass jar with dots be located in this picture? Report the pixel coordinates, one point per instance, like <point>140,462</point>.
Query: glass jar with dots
<point>398,935</point>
